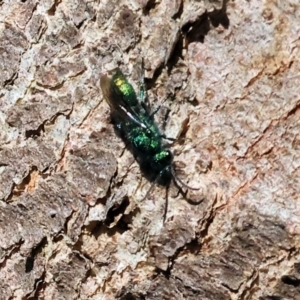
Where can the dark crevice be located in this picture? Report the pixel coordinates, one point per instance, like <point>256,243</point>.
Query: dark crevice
<point>52,9</point>
<point>29,263</point>
<point>291,280</point>
<point>271,297</point>
<point>179,12</point>
<point>33,133</point>
<point>165,273</point>
<point>131,296</point>
<point>293,110</point>
<point>11,81</point>
<point>194,102</point>
<point>94,18</point>
<point>176,54</point>
<point>39,286</point>
<point>128,295</point>
<point>99,228</point>
<point>79,25</point>
<point>194,246</point>
<point>185,127</point>
<point>115,211</point>
<point>127,219</point>
<point>78,46</point>
<point>149,6</point>
<point>219,17</point>
<point>197,31</point>
<point>152,82</point>
<point>52,88</point>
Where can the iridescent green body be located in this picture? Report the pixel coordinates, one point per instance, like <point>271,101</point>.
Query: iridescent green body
<point>136,124</point>
<point>126,90</point>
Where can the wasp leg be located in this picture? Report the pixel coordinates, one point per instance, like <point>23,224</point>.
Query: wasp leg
<point>183,184</point>
<point>156,110</point>
<point>167,203</point>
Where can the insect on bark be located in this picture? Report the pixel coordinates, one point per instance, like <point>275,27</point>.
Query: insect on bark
<point>136,125</point>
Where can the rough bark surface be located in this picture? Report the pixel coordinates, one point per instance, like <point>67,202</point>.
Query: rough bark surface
<point>73,222</point>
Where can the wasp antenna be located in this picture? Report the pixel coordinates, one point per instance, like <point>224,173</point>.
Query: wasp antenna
<point>181,182</point>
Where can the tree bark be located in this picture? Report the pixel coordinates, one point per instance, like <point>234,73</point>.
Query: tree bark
<point>74,219</point>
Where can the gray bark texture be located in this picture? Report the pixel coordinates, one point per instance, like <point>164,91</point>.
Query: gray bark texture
<point>74,219</point>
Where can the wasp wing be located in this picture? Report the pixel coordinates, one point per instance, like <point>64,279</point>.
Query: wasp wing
<point>121,97</point>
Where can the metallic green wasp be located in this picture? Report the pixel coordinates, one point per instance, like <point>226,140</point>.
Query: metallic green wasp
<point>136,124</point>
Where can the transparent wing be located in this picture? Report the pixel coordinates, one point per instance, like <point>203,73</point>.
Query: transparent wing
<point>122,98</point>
